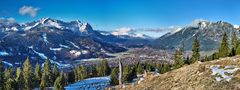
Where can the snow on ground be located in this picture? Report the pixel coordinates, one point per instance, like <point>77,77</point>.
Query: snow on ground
<point>45,38</point>
<point>175,30</point>
<point>30,27</point>
<point>84,52</point>
<point>7,63</point>
<point>96,83</point>
<point>60,65</point>
<point>54,24</point>
<point>221,72</point>
<point>74,45</point>
<point>64,46</point>
<point>56,49</point>
<point>3,53</point>
<point>75,52</point>
<point>42,55</point>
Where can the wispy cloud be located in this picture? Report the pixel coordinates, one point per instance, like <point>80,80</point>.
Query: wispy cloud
<point>28,10</point>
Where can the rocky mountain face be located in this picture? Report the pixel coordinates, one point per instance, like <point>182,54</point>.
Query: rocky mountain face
<point>209,34</point>
<point>61,42</point>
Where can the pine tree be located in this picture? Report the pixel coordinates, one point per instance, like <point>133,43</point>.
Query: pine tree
<point>75,74</point>
<point>59,83</point>
<point>238,50</point>
<point>235,41</point>
<point>114,77</point>
<point>82,72</point>
<point>47,73</point>
<point>28,75</point>
<point>127,74</point>
<point>43,84</point>
<point>19,79</point>
<point>165,68</point>
<point>103,69</point>
<point>1,76</point>
<point>8,73</point>
<point>179,62</point>
<point>10,84</point>
<point>100,70</point>
<point>106,68</point>
<point>37,75</point>
<point>139,68</point>
<point>224,49</point>
<point>71,77</point>
<point>195,50</point>
<point>56,72</point>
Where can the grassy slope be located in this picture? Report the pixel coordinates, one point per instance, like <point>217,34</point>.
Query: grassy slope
<point>192,77</point>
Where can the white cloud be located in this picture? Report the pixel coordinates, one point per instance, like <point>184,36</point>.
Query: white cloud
<point>123,31</point>
<point>32,11</point>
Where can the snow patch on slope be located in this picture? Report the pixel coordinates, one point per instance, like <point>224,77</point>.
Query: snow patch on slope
<point>45,38</point>
<point>7,63</point>
<point>221,72</point>
<point>3,53</point>
<point>42,55</point>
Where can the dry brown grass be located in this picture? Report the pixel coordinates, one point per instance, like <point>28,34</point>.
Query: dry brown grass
<point>192,77</point>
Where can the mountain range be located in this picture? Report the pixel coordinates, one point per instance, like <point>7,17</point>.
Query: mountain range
<point>209,34</point>
<point>61,42</point>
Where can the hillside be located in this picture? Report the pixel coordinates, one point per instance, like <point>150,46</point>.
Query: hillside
<point>222,74</point>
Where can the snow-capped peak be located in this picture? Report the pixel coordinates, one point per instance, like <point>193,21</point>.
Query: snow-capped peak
<point>175,30</point>
<point>84,27</point>
<point>42,21</point>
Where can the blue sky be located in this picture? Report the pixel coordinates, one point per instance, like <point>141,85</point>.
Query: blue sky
<point>113,14</point>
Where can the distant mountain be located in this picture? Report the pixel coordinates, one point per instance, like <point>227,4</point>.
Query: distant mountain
<point>209,34</point>
<point>129,38</point>
<point>63,43</point>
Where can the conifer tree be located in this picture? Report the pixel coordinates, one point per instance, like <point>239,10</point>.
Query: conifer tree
<point>139,68</point>
<point>126,73</point>
<point>129,73</point>
<point>195,50</point>
<point>235,41</point>
<point>43,84</point>
<point>56,72</point>
<point>1,76</point>
<point>10,84</point>
<point>106,68</point>
<point>19,79</point>
<point>37,75</point>
<point>165,68</point>
<point>71,76</point>
<point>114,77</point>
<point>82,74</point>
<point>179,62</point>
<point>47,73</point>
<point>224,49</point>
<point>100,70</point>
<point>8,73</point>
<point>103,69</point>
<point>75,74</point>
<point>238,50</point>
<point>59,83</point>
<point>28,75</point>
